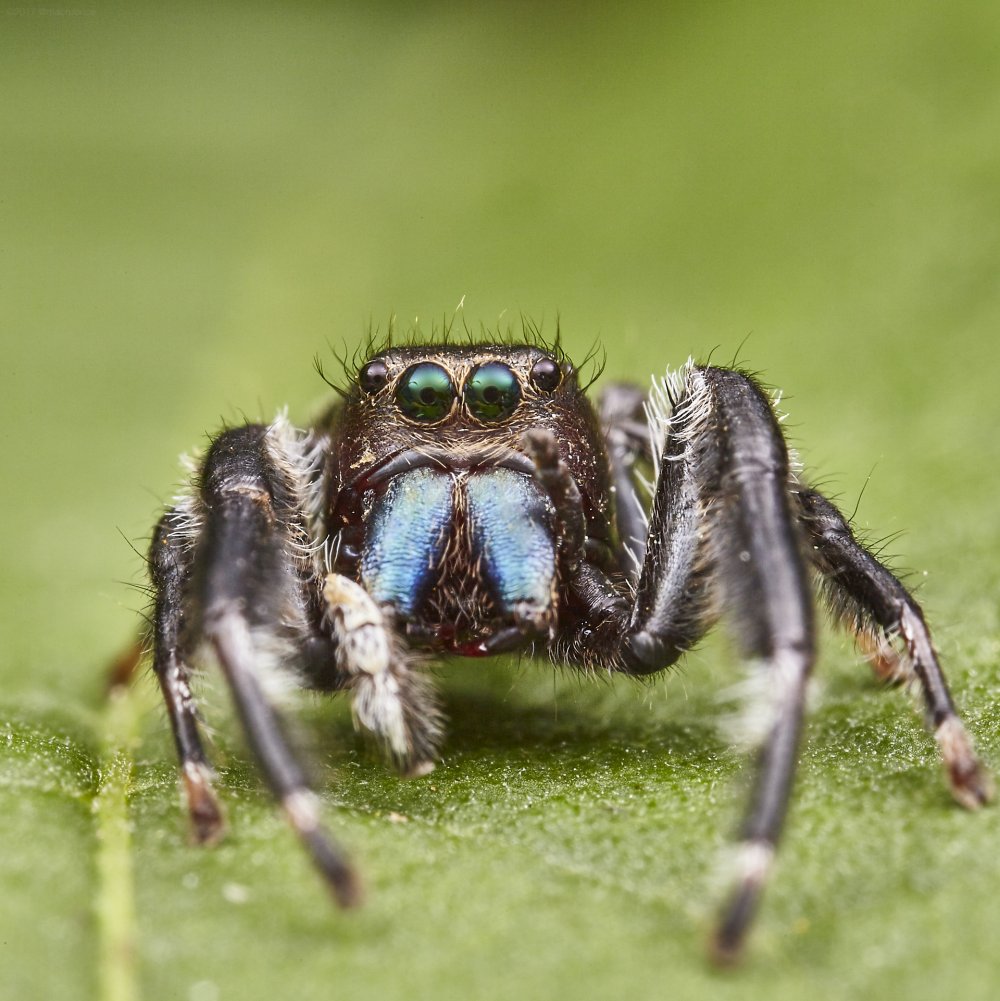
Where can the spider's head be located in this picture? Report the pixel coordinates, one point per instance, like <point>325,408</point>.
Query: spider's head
<point>469,407</point>
<point>439,390</point>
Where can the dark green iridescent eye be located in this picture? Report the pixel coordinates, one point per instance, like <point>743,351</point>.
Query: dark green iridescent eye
<point>492,392</point>
<point>425,392</point>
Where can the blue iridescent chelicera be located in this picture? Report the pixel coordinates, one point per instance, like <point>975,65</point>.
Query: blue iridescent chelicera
<point>492,392</point>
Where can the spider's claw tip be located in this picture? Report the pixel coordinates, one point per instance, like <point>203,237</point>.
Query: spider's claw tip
<point>208,823</point>
<point>754,858</point>
<point>347,888</point>
<point>341,877</point>
<point>725,951</point>
<point>417,769</point>
<point>208,826</point>
<point>971,783</point>
<point>973,788</point>
<point>725,947</point>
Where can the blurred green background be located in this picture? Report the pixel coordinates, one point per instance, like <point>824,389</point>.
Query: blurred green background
<point>195,201</point>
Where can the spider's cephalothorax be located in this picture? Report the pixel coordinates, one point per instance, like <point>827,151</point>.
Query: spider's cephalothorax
<point>440,492</point>
<point>470,499</point>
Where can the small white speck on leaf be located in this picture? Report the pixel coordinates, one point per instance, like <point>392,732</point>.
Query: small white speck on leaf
<point>235,893</point>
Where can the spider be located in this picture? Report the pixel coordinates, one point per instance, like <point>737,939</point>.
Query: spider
<point>469,499</point>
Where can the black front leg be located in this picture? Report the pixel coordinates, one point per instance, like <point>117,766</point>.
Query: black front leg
<point>234,567</point>
<point>722,535</point>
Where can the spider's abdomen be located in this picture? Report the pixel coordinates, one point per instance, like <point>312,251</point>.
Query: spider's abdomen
<point>458,556</point>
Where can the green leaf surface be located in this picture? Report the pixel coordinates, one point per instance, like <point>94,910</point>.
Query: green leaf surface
<point>195,201</point>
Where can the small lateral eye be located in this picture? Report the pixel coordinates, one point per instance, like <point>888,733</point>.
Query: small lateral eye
<point>425,392</point>
<point>546,374</point>
<point>492,392</point>
<point>373,376</point>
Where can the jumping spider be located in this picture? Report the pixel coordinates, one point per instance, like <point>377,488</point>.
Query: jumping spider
<point>471,500</point>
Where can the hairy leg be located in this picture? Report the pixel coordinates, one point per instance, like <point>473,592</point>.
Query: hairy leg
<point>170,563</point>
<point>392,701</point>
<point>626,436</point>
<point>876,607</point>
<point>722,533</point>
<point>764,589</point>
<point>233,566</point>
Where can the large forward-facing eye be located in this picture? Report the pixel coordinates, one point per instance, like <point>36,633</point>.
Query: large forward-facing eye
<point>425,392</point>
<point>492,392</point>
